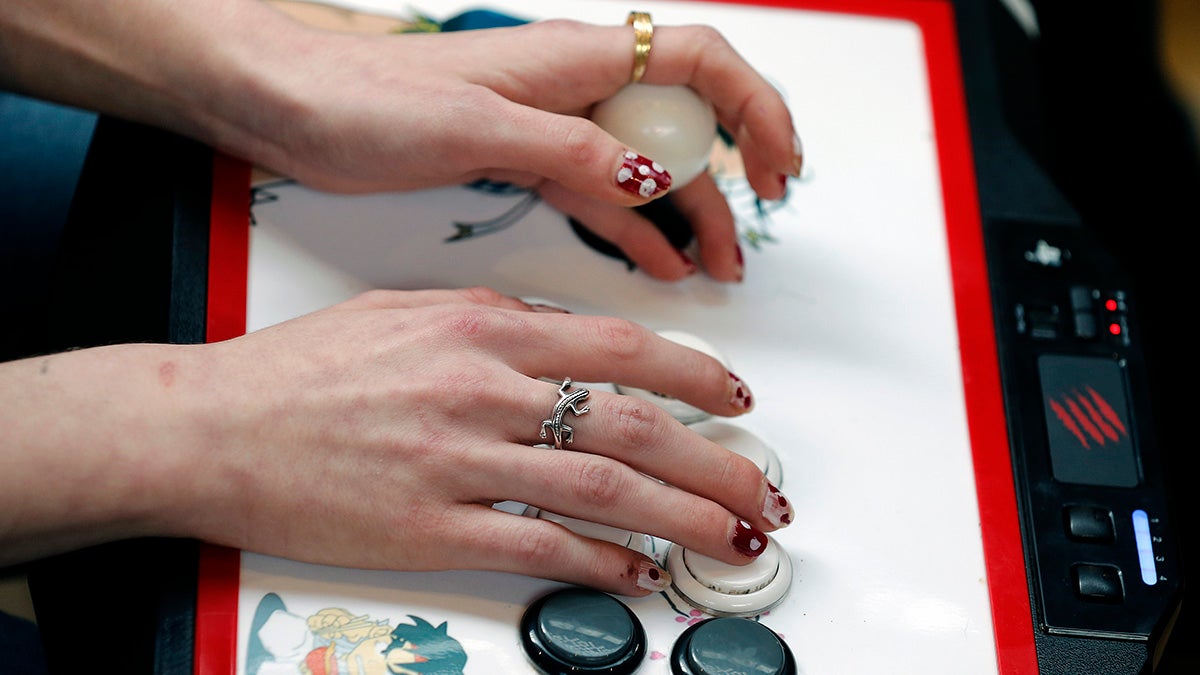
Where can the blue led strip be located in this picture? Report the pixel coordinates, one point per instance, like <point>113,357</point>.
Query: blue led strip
<point>1145,548</point>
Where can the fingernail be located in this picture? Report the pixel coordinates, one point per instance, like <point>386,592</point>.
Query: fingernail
<point>739,393</point>
<point>748,540</point>
<point>642,176</point>
<point>797,156</point>
<point>651,577</point>
<point>776,508</point>
<point>547,309</point>
<point>688,262</point>
<point>741,263</point>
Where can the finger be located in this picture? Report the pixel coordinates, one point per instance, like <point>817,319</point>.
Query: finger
<point>476,295</point>
<point>569,150</point>
<point>534,547</point>
<point>704,206</point>
<point>610,349</point>
<point>642,435</point>
<point>638,238</point>
<point>605,490</point>
<point>764,180</point>
<point>702,58</point>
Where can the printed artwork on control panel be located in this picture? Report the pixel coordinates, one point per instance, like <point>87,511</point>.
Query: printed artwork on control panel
<point>335,641</point>
<point>338,641</point>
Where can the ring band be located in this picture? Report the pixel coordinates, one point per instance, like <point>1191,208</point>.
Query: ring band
<point>643,31</point>
<point>563,433</point>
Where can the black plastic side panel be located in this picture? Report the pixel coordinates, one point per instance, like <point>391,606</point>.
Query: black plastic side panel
<point>132,267</point>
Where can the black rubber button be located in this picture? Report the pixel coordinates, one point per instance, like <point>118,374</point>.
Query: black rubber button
<point>578,630</point>
<point>731,646</point>
<point>1089,523</point>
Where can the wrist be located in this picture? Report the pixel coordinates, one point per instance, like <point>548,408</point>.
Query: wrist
<point>98,446</point>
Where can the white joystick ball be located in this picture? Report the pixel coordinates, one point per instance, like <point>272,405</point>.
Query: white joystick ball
<point>669,124</point>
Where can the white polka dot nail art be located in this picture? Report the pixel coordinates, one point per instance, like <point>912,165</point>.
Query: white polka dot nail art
<point>642,176</point>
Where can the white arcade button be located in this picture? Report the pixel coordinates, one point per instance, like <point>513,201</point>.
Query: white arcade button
<point>684,412</point>
<point>731,590</point>
<point>744,443</point>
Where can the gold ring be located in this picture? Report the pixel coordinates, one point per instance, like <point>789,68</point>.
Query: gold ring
<point>643,30</point>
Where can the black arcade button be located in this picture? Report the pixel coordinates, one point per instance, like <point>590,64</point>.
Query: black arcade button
<point>731,646</point>
<point>577,630</point>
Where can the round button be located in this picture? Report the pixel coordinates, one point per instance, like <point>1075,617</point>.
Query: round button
<point>734,579</point>
<point>577,630</point>
<point>670,124</point>
<point>684,412</point>
<point>731,646</point>
<point>744,443</point>
<point>731,590</point>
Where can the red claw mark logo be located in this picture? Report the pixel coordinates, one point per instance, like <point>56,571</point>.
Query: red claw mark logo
<point>1087,415</point>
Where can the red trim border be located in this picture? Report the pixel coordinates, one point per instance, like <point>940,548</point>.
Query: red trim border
<point>215,651</point>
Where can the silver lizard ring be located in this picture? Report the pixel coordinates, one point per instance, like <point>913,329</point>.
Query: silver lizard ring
<point>563,433</point>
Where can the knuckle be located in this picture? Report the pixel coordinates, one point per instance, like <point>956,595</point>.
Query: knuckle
<point>376,298</point>
<point>482,295</point>
<point>735,469</point>
<point>578,145</point>
<point>466,323</point>
<point>598,483</point>
<point>540,547</point>
<point>620,339</point>
<point>708,39</point>
<point>638,423</point>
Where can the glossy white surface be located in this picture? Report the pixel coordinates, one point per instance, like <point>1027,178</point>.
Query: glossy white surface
<point>844,328</point>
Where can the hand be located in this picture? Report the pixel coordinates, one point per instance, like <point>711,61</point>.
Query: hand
<point>419,110</point>
<point>347,112</point>
<point>379,433</point>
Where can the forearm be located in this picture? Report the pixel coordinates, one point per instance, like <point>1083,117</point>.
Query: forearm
<point>93,446</point>
<point>206,70</point>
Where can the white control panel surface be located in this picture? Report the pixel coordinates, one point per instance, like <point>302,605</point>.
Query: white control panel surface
<point>844,327</point>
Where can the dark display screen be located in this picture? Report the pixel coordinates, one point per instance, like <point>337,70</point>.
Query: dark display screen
<point>1088,421</point>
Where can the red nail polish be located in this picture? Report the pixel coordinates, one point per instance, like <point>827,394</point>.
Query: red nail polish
<point>741,263</point>
<point>748,540</point>
<point>691,266</point>
<point>797,156</point>
<point>642,176</point>
<point>739,395</point>
<point>776,508</point>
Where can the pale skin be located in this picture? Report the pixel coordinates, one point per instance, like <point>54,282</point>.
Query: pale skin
<point>379,432</point>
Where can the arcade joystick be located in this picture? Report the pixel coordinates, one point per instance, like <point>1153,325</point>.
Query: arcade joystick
<point>673,126</point>
<point>722,589</point>
<point>670,124</point>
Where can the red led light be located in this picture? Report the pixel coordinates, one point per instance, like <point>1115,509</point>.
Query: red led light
<point>1110,305</point>
<point>1114,328</point>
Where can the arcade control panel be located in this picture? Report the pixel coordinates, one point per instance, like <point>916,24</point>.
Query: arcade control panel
<point>1101,552</point>
<point>1103,556</point>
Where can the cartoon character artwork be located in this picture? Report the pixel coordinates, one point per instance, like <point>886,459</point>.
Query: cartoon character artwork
<point>334,641</point>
